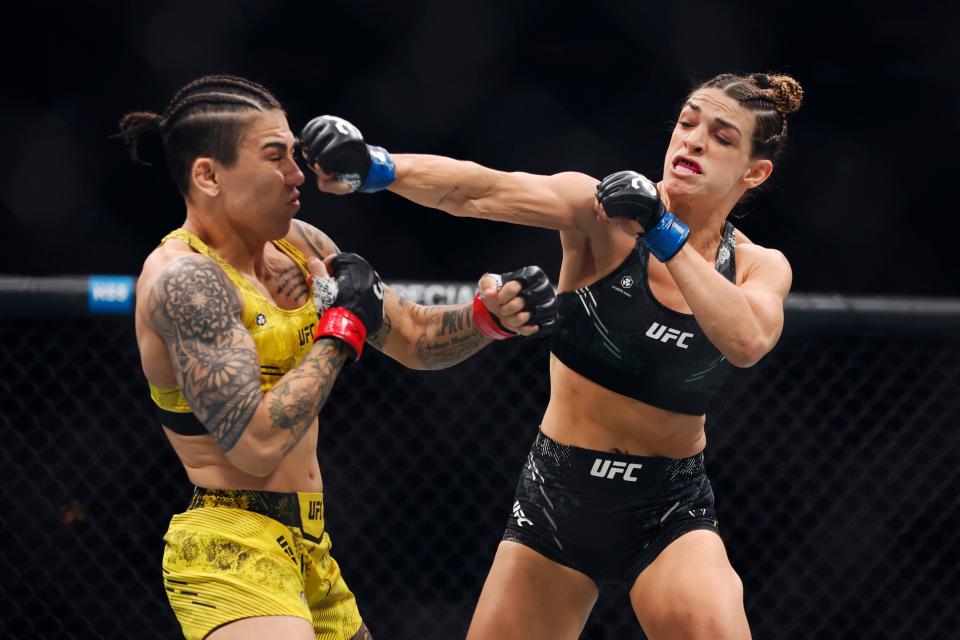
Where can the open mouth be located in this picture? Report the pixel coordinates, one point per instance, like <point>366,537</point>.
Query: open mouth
<point>686,166</point>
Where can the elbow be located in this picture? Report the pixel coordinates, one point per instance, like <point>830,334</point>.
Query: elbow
<point>747,352</point>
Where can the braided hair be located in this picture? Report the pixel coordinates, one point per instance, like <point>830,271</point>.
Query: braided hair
<point>770,98</point>
<point>205,118</point>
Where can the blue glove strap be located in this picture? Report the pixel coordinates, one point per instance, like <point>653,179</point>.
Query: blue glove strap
<point>667,237</point>
<point>381,171</point>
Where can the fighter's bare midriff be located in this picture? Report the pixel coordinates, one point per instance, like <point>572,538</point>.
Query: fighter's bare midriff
<point>206,466</point>
<point>584,414</point>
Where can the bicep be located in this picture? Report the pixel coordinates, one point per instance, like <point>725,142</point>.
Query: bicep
<point>196,309</point>
<point>766,286</point>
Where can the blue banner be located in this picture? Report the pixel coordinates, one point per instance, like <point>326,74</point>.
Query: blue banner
<point>110,294</point>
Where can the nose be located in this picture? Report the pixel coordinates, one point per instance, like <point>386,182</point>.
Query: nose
<point>295,177</point>
<point>694,139</point>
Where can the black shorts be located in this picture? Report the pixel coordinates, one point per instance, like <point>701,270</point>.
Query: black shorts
<point>607,515</point>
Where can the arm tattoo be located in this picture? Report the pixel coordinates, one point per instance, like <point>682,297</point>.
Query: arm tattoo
<point>380,337</point>
<point>448,335</point>
<point>195,307</point>
<point>447,195</point>
<point>320,245</point>
<point>295,402</point>
<point>440,337</point>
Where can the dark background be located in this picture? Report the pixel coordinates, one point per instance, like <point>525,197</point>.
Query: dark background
<point>861,203</point>
<point>835,459</point>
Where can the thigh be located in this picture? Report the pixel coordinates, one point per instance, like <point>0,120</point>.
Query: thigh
<point>273,627</point>
<point>691,591</point>
<point>333,607</point>
<point>528,597</point>
<point>226,565</point>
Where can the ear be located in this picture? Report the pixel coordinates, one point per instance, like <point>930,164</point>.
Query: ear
<point>203,175</point>
<point>757,174</point>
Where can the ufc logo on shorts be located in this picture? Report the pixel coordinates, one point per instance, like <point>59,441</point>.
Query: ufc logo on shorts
<point>316,509</point>
<point>665,334</point>
<point>610,469</point>
<point>519,515</point>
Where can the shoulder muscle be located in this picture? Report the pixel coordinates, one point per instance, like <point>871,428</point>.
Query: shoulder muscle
<point>311,241</point>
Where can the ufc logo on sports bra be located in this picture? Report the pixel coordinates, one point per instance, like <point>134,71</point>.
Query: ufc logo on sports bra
<point>306,334</point>
<point>610,469</point>
<point>665,334</point>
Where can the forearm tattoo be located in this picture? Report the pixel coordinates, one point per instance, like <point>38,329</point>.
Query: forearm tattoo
<point>380,337</point>
<point>441,337</point>
<point>195,307</point>
<point>295,401</point>
<point>448,335</point>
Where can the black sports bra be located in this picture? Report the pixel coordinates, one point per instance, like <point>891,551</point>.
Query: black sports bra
<point>615,333</point>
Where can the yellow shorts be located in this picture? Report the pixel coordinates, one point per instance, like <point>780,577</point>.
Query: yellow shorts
<point>242,554</point>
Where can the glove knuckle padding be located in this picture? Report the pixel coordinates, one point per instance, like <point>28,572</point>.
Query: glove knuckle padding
<point>631,195</point>
<point>537,294</point>
<point>360,289</point>
<point>335,151</point>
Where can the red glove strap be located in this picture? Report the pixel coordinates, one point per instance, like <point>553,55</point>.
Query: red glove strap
<point>344,324</point>
<point>484,322</point>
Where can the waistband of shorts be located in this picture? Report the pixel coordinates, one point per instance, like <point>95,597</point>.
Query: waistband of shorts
<point>631,472</point>
<point>290,509</point>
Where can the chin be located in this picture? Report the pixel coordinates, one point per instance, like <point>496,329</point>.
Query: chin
<point>281,229</point>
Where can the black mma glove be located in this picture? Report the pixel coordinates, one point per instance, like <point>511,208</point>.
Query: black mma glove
<point>337,147</point>
<point>539,299</point>
<point>628,194</point>
<point>358,308</point>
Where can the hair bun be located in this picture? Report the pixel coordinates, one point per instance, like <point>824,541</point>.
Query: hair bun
<point>786,93</point>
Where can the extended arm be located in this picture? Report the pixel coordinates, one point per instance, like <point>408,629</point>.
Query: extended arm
<point>436,337</point>
<point>422,337</point>
<point>563,201</point>
<point>195,308</point>
<point>344,163</point>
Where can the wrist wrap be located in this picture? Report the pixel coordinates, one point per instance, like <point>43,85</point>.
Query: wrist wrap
<point>666,237</point>
<point>341,323</point>
<point>486,323</point>
<point>381,173</point>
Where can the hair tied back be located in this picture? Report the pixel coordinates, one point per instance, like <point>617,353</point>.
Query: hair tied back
<point>761,80</point>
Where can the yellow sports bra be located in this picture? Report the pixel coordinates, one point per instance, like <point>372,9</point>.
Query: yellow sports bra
<point>282,337</point>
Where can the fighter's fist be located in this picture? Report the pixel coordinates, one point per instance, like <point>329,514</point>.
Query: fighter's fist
<point>519,302</point>
<point>628,194</point>
<point>359,289</point>
<point>353,298</point>
<point>333,146</point>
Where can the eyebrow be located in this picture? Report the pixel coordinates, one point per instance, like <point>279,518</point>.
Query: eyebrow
<point>723,123</point>
<point>280,146</point>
